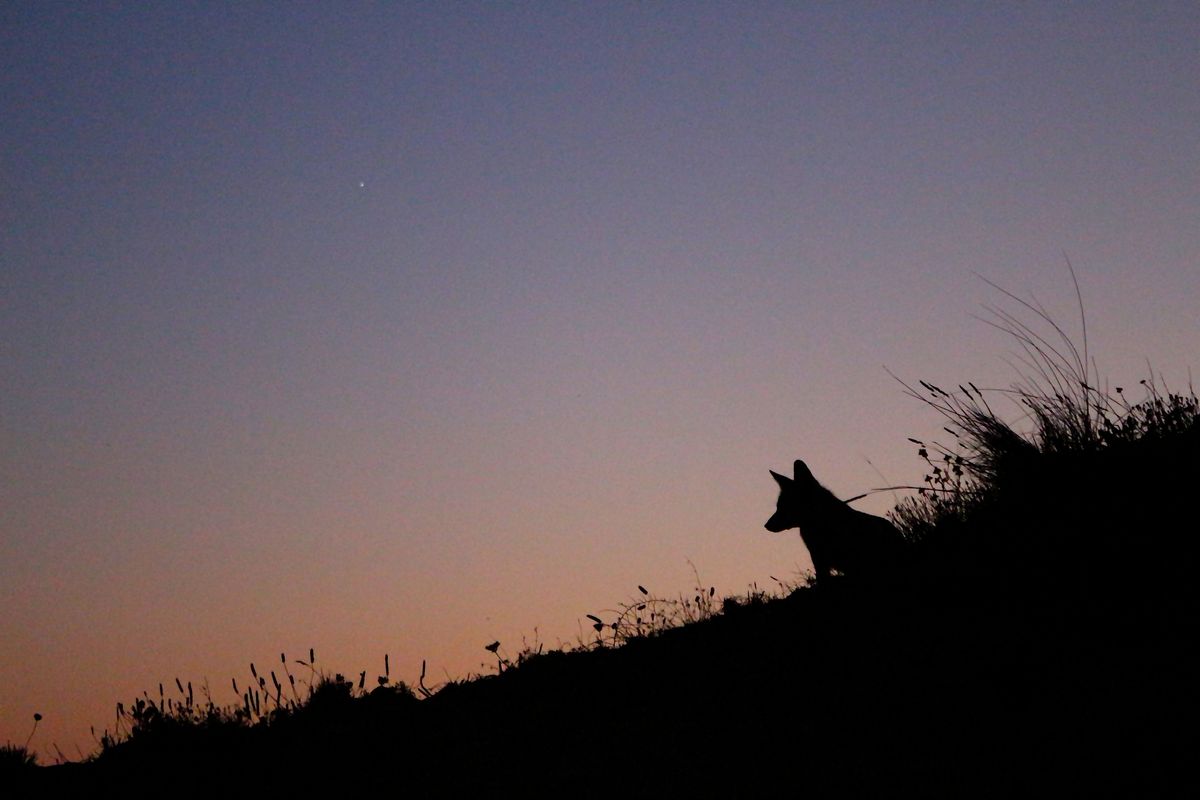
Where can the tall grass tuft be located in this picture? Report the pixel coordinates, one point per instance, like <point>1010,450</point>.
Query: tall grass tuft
<point>19,757</point>
<point>1080,475</point>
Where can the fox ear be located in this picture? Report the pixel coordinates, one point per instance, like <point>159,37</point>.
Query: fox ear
<point>802,472</point>
<point>782,481</point>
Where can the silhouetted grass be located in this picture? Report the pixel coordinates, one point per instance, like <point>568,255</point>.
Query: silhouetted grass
<point>1084,481</point>
<point>18,759</point>
<point>15,757</point>
<point>1039,637</point>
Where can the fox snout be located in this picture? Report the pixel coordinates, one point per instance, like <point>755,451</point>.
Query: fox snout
<point>777,523</point>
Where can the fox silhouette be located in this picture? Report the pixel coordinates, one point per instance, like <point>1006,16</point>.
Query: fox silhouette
<point>837,537</point>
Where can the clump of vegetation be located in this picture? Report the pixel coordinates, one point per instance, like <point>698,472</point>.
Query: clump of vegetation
<point>14,757</point>
<point>1084,488</point>
<point>149,721</point>
<point>990,453</point>
<point>648,614</point>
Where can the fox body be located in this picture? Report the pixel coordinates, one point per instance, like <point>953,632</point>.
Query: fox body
<point>837,537</point>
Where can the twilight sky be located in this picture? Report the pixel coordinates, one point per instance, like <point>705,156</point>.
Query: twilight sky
<point>404,328</point>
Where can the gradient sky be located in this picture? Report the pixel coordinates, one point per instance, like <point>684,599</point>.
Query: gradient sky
<point>404,328</point>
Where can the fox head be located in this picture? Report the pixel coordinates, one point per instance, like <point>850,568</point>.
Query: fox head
<point>792,495</point>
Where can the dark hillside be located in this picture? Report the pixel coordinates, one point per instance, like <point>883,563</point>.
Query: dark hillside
<point>1039,637</point>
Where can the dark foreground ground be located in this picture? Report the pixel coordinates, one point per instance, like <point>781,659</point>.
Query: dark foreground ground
<point>835,689</point>
<point>1047,648</point>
